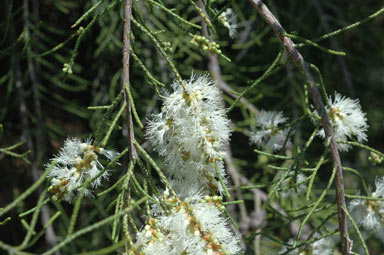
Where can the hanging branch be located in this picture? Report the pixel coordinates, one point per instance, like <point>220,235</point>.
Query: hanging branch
<point>298,60</point>
<point>125,78</point>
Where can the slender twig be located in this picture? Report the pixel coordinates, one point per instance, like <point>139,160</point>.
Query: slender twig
<point>334,45</point>
<point>318,46</point>
<point>86,14</point>
<point>94,226</point>
<point>298,60</point>
<point>157,43</point>
<point>125,78</point>
<point>76,209</point>
<point>156,167</point>
<point>28,192</point>
<point>358,232</point>
<point>215,70</point>
<point>343,29</point>
<point>171,13</point>
<point>12,249</point>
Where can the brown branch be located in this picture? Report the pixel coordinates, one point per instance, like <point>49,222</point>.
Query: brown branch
<point>296,57</point>
<point>125,78</point>
<point>257,217</point>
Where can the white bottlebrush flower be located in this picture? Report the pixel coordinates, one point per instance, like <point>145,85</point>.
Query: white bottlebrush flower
<point>76,162</point>
<point>347,120</point>
<point>191,131</point>
<point>364,214</point>
<point>370,213</point>
<point>319,247</point>
<point>194,227</point>
<point>228,19</point>
<point>269,135</point>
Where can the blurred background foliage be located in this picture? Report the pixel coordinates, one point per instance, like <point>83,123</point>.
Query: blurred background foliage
<point>41,105</point>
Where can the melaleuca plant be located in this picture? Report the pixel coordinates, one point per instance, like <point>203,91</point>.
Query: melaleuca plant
<point>193,226</point>
<point>76,162</point>
<point>225,138</point>
<point>191,131</point>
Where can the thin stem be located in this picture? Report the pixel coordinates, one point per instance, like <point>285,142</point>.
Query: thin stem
<point>298,60</point>
<point>357,144</point>
<point>125,78</point>
<point>28,191</point>
<point>137,118</point>
<point>156,167</point>
<point>364,197</point>
<point>358,232</point>
<point>317,203</point>
<point>107,250</point>
<point>45,229</point>
<point>309,42</point>
<point>162,51</point>
<point>86,14</point>
<point>341,30</point>
<point>76,209</point>
<point>127,175</point>
<point>272,69</point>
<point>12,249</point>
<point>326,98</point>
<point>33,223</point>
<point>94,226</point>
<point>113,124</point>
<point>313,176</point>
<point>34,208</point>
<point>273,155</point>
<point>174,15</point>
<point>146,71</point>
<point>215,70</point>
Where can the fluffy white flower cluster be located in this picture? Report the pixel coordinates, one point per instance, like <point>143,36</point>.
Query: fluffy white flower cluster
<point>319,247</point>
<point>228,19</point>
<point>269,135</point>
<point>191,133</point>
<point>193,227</point>
<point>370,213</point>
<point>76,162</point>
<point>347,119</point>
